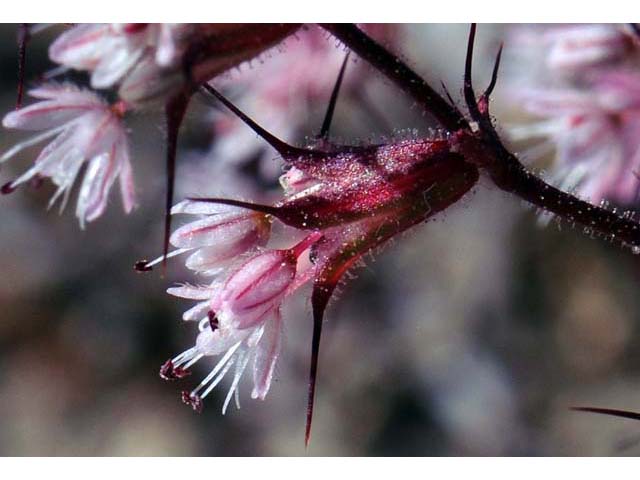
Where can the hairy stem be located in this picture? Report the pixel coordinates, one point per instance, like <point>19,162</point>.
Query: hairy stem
<point>484,147</point>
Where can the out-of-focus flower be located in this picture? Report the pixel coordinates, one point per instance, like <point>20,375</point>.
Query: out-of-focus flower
<point>150,60</point>
<point>578,47</point>
<point>587,99</point>
<point>84,129</point>
<point>110,51</point>
<point>284,90</point>
<point>221,234</point>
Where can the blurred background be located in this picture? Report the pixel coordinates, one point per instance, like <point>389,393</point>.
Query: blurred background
<point>471,335</point>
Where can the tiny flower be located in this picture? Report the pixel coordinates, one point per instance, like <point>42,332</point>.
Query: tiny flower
<point>586,106</point>
<point>258,286</point>
<point>240,320</point>
<point>221,234</point>
<point>86,130</point>
<point>286,89</point>
<point>582,46</point>
<point>260,345</point>
<point>110,51</point>
<point>148,60</point>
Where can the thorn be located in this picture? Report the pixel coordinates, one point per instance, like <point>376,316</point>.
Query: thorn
<point>269,210</point>
<point>494,75</point>
<point>608,411</point>
<point>24,36</point>
<point>448,95</point>
<point>446,92</point>
<point>319,300</point>
<point>175,109</point>
<point>284,149</point>
<point>469,94</point>
<point>328,117</point>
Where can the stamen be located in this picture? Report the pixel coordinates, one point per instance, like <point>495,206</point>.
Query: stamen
<point>147,266</point>
<point>8,188</point>
<point>219,378</point>
<point>216,369</point>
<point>193,400</point>
<point>193,361</point>
<point>142,266</point>
<point>243,360</point>
<point>169,372</point>
<point>213,320</point>
<point>184,356</point>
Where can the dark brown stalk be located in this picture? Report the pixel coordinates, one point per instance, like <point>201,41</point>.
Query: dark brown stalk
<point>175,109</point>
<point>24,35</point>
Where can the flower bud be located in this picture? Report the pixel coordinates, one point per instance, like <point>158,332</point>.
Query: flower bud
<point>225,233</point>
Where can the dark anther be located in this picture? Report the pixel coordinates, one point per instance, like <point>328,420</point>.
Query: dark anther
<point>142,266</point>
<point>213,320</point>
<point>193,400</point>
<point>8,188</point>
<point>169,372</point>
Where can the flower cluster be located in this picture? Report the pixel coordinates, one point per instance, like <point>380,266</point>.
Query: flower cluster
<point>582,83</point>
<point>239,310</point>
<point>146,63</point>
<point>115,53</point>
<point>84,129</point>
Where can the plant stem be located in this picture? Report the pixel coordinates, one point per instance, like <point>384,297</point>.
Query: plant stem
<point>485,148</point>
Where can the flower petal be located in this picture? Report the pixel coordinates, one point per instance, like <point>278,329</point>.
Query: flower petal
<point>266,356</point>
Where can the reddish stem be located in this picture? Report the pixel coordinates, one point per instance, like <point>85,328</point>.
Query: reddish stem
<point>484,147</point>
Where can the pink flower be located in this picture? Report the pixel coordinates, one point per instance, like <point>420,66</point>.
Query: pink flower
<point>587,105</point>
<point>256,289</point>
<point>220,235</point>
<point>110,51</point>
<point>582,46</point>
<point>86,130</point>
<point>147,60</point>
<point>239,318</point>
<point>286,89</point>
